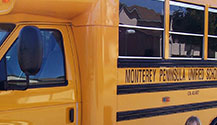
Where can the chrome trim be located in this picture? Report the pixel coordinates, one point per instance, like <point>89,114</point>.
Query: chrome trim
<point>77,113</point>
<point>212,10</point>
<point>186,34</point>
<point>212,36</point>
<point>192,6</point>
<point>141,27</point>
<point>181,58</point>
<point>132,57</point>
<point>215,59</point>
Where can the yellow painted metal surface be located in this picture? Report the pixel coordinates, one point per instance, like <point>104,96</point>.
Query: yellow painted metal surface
<point>6,6</point>
<point>165,75</point>
<point>54,8</point>
<point>97,60</point>
<point>154,100</point>
<point>206,21</point>
<point>153,76</point>
<point>91,73</point>
<point>104,12</point>
<point>38,115</point>
<point>167,28</point>
<point>42,105</point>
<point>90,32</point>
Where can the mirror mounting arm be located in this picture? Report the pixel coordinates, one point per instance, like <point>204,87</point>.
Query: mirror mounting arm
<point>27,82</point>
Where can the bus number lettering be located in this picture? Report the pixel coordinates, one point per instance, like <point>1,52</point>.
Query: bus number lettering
<point>190,93</point>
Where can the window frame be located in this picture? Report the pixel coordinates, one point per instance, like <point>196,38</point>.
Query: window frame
<point>8,34</point>
<point>145,28</point>
<point>127,62</point>
<point>213,10</point>
<point>192,6</point>
<point>65,83</point>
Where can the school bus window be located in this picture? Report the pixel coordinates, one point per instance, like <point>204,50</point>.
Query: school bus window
<point>140,42</point>
<point>141,28</point>
<point>186,18</point>
<point>147,13</point>
<point>186,30</point>
<point>5,30</point>
<point>52,70</point>
<point>212,34</point>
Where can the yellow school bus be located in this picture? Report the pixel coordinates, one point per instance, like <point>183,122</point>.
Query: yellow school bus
<point>108,62</point>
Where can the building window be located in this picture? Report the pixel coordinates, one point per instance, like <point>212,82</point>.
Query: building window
<point>186,30</point>
<point>141,27</point>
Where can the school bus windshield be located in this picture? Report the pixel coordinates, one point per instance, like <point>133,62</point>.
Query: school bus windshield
<point>5,30</point>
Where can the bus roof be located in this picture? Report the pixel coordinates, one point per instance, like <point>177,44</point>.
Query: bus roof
<point>66,9</point>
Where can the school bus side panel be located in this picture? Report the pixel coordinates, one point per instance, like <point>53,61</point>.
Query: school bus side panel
<point>97,53</point>
<point>103,12</point>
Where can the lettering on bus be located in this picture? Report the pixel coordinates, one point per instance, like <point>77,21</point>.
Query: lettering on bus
<point>172,74</point>
<point>160,75</point>
<point>140,75</point>
<point>211,73</point>
<point>192,93</point>
<point>196,74</point>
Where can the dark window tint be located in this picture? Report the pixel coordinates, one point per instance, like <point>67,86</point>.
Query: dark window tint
<point>5,30</point>
<point>142,13</point>
<point>212,38</point>
<point>213,23</point>
<point>52,69</point>
<point>185,46</point>
<point>3,75</point>
<point>212,48</point>
<point>139,42</point>
<point>186,18</point>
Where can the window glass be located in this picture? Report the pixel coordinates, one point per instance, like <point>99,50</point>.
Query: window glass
<point>186,30</point>
<point>52,70</point>
<point>186,18</point>
<point>212,33</point>
<point>212,45</point>
<point>212,21</point>
<point>141,28</point>
<point>5,30</point>
<point>185,46</point>
<point>140,42</point>
<point>3,75</point>
<point>142,13</point>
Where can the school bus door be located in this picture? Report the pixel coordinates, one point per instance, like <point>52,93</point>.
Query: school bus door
<point>51,97</point>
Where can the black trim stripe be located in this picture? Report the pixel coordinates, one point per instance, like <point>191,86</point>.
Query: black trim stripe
<point>136,63</point>
<point>145,88</point>
<point>145,113</point>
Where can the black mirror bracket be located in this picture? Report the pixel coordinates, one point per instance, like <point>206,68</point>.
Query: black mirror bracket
<point>5,85</point>
<point>27,82</point>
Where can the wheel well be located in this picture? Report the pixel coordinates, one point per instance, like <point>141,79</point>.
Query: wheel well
<point>214,121</point>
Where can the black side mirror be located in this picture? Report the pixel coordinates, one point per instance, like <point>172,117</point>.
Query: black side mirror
<point>30,51</point>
